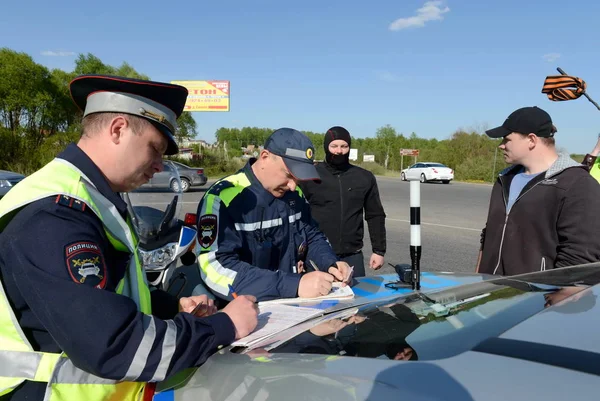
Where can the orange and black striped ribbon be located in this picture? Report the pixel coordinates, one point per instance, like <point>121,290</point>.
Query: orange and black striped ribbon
<point>563,87</point>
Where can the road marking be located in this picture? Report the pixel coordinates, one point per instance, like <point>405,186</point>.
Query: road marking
<point>437,225</point>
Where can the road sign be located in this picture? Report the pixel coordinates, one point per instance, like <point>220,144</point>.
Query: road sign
<point>409,152</point>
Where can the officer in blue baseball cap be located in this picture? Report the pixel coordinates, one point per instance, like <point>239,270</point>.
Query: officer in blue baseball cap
<point>297,152</point>
<point>256,231</point>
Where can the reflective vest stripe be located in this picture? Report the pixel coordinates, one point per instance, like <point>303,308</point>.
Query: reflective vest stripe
<point>168,350</point>
<point>140,358</point>
<point>30,365</point>
<point>293,218</point>
<point>213,273</point>
<point>66,372</point>
<point>259,225</point>
<point>12,335</point>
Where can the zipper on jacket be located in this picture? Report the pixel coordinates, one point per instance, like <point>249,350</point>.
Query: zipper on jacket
<point>543,265</point>
<point>501,243</point>
<point>341,211</point>
<point>506,221</point>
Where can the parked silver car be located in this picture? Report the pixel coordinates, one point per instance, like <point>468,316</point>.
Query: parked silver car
<point>8,179</point>
<point>167,179</point>
<point>189,177</point>
<point>462,337</point>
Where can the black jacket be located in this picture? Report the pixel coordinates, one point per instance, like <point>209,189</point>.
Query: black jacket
<point>553,223</point>
<point>337,205</point>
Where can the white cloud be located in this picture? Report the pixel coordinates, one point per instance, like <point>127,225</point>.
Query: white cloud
<point>431,11</point>
<point>387,76</point>
<point>57,54</point>
<point>550,57</point>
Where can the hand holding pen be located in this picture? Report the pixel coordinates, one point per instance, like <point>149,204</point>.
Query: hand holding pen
<point>341,271</point>
<point>243,312</point>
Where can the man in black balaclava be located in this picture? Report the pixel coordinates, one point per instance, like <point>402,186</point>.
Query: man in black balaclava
<point>339,156</point>
<point>339,201</point>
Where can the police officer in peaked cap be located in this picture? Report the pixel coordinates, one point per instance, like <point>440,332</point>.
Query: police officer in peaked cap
<point>79,321</point>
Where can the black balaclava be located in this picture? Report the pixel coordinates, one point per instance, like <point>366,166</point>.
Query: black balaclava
<point>337,161</point>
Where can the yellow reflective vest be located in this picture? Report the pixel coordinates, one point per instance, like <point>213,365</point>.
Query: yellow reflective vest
<point>18,360</point>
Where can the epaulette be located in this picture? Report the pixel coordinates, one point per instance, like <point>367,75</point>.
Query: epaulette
<point>72,203</point>
<point>220,186</point>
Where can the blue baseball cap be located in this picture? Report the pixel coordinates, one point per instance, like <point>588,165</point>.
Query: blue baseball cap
<point>297,152</point>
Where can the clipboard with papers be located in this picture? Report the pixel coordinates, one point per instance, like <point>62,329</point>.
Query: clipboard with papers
<point>275,316</point>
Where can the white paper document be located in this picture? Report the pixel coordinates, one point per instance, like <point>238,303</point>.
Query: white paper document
<point>337,292</point>
<point>274,318</point>
<point>276,340</point>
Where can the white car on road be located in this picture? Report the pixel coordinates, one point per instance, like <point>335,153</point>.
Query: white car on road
<point>427,171</point>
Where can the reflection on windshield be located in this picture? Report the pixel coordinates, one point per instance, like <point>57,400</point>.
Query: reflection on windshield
<point>436,326</point>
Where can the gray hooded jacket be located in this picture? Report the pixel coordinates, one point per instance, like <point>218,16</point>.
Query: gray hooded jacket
<point>554,222</point>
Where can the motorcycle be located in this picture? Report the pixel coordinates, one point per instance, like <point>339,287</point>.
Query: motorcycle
<point>164,238</point>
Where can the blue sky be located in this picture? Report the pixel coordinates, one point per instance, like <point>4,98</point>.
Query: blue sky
<point>428,67</point>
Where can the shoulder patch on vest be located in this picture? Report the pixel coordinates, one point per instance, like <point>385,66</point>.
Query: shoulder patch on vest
<point>85,263</point>
<point>220,186</point>
<point>72,203</point>
<point>207,230</point>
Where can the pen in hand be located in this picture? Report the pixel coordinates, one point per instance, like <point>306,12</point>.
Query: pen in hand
<point>201,306</point>
<point>350,271</point>
<point>314,265</point>
<point>232,291</point>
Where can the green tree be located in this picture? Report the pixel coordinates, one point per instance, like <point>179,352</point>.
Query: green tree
<point>90,64</point>
<point>386,137</point>
<point>186,126</point>
<point>25,93</point>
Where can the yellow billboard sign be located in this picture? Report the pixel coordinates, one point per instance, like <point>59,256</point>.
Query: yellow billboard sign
<point>206,95</point>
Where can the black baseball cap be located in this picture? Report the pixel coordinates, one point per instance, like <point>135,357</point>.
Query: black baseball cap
<point>297,151</point>
<point>526,120</point>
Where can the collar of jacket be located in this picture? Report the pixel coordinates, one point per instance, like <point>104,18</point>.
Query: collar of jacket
<point>82,161</point>
<point>256,186</point>
<point>336,169</point>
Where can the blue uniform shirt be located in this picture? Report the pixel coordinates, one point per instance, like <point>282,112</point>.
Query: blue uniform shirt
<point>255,240</point>
<point>41,251</point>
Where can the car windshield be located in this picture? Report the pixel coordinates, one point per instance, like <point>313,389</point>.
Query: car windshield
<point>441,324</point>
<point>435,165</point>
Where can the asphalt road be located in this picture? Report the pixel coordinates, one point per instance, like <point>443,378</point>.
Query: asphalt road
<point>451,220</point>
<point>452,217</point>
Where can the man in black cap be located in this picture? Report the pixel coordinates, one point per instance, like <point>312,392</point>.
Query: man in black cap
<point>256,231</point>
<point>345,193</point>
<point>78,318</point>
<point>544,211</point>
